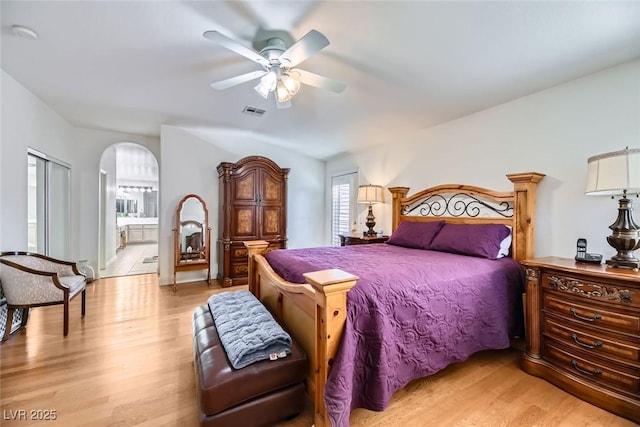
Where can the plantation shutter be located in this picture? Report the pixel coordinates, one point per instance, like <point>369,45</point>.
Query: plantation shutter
<point>343,200</point>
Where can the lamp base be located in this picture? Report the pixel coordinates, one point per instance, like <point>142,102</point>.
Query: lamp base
<point>371,223</point>
<point>625,237</point>
<point>635,265</point>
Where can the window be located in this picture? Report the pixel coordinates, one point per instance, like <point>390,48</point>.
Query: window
<point>343,205</point>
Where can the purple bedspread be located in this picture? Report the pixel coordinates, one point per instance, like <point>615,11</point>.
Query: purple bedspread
<point>412,313</point>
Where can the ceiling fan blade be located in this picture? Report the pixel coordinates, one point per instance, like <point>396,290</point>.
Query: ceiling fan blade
<point>315,80</point>
<point>310,43</point>
<point>225,84</point>
<point>235,46</point>
<point>283,105</point>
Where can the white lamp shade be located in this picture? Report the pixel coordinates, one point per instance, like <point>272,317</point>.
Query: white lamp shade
<point>611,173</point>
<point>370,194</point>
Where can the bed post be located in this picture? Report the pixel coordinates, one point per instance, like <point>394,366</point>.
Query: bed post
<point>254,247</point>
<point>524,187</point>
<point>397,194</point>
<point>331,314</point>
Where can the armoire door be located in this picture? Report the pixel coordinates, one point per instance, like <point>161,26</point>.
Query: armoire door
<point>244,206</point>
<point>271,219</point>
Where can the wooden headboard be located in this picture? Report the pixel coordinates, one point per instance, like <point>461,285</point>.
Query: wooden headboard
<point>469,204</point>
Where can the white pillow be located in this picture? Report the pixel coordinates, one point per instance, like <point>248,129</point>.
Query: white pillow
<point>505,245</point>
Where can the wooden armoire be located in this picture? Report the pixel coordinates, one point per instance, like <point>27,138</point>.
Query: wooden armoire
<point>253,206</point>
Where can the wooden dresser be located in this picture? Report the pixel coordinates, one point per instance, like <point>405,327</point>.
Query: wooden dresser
<point>253,206</point>
<point>583,331</point>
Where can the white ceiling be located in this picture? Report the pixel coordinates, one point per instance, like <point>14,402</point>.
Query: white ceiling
<point>132,66</point>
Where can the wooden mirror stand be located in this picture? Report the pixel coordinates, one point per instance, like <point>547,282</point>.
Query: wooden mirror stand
<point>192,237</point>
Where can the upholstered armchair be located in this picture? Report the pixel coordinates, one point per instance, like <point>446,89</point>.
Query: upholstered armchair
<point>32,280</point>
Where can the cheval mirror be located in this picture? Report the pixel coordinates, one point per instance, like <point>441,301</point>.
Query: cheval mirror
<point>192,237</point>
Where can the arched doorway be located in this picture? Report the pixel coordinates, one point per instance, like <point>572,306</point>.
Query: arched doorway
<point>128,213</point>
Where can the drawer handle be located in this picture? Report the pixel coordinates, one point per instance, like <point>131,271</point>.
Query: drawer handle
<point>586,319</point>
<point>585,345</point>
<point>584,371</point>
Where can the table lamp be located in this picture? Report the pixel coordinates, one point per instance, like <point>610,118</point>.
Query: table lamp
<point>614,174</point>
<point>370,194</point>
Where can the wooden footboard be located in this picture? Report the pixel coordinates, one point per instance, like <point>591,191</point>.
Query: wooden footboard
<point>319,305</point>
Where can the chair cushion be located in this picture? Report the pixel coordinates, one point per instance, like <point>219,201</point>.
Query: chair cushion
<point>74,283</point>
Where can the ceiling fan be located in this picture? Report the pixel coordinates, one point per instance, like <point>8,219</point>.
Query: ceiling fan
<point>278,74</point>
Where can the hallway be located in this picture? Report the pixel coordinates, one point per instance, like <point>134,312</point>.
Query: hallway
<point>131,260</point>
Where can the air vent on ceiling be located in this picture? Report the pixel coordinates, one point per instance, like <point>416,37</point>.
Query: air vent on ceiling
<point>253,111</point>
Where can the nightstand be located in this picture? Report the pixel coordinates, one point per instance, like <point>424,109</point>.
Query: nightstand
<point>358,239</point>
<point>583,331</point>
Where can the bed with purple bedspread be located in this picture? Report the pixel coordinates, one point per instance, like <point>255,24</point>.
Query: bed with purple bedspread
<point>411,313</point>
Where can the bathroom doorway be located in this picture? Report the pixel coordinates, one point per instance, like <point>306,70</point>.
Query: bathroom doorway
<point>129,188</point>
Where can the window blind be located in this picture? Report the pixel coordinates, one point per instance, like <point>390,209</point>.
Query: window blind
<point>343,199</point>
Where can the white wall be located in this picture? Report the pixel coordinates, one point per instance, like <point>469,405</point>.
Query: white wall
<point>190,168</point>
<point>29,122</point>
<point>190,159</point>
<point>552,132</point>
<point>89,145</point>
<point>111,243</point>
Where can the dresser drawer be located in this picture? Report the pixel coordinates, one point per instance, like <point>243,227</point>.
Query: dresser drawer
<point>239,252</point>
<point>593,369</point>
<point>239,269</point>
<point>591,290</point>
<point>591,314</point>
<point>592,342</point>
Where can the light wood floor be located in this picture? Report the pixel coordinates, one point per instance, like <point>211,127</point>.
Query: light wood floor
<point>130,363</point>
<point>130,261</point>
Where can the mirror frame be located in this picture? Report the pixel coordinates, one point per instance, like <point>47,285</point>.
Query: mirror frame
<point>204,260</point>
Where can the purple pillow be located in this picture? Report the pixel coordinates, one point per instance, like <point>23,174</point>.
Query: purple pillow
<point>417,235</point>
<point>479,240</point>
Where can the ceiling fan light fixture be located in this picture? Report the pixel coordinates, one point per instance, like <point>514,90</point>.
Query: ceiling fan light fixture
<point>262,90</point>
<point>267,84</point>
<point>292,85</point>
<point>270,79</point>
<point>278,73</point>
<point>282,94</point>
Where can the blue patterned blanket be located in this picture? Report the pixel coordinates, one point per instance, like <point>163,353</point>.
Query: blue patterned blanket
<point>247,331</point>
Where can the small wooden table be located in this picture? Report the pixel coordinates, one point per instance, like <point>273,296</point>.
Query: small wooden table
<point>358,239</point>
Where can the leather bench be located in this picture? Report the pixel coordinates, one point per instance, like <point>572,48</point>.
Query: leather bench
<point>257,395</point>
